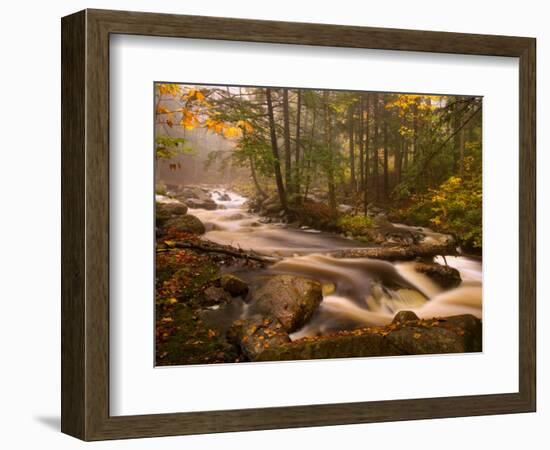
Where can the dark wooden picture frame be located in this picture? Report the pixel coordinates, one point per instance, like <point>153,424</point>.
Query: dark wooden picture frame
<point>85,224</point>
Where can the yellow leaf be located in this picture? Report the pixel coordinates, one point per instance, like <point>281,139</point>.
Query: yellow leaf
<point>232,132</point>
<point>243,124</point>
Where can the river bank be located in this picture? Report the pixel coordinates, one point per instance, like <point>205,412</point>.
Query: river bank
<point>209,239</point>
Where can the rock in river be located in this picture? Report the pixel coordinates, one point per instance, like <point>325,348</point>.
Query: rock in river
<point>445,276</point>
<point>457,334</point>
<point>215,296</point>
<point>201,204</point>
<point>404,316</point>
<point>186,224</point>
<point>290,299</point>
<point>165,211</point>
<point>256,335</point>
<point>234,285</point>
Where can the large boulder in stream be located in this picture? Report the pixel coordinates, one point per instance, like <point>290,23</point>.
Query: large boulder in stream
<point>290,299</point>
<point>445,276</point>
<point>185,224</point>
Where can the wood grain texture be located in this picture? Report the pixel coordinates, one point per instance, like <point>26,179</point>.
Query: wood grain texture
<point>73,111</point>
<point>85,224</point>
<point>527,224</point>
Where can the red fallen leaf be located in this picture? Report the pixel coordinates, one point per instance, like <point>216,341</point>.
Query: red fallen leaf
<point>212,333</point>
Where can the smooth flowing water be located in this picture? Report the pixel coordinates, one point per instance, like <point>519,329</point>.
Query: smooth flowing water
<point>356,291</point>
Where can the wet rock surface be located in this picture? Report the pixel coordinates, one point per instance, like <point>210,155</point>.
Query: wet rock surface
<point>201,204</point>
<point>215,296</point>
<point>195,197</point>
<point>257,334</point>
<point>185,224</point>
<point>207,313</point>
<point>404,316</point>
<point>445,276</point>
<point>405,336</point>
<point>234,285</point>
<point>291,300</point>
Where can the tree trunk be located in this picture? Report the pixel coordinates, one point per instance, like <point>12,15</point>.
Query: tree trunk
<point>330,162</point>
<point>399,152</point>
<point>375,155</point>
<point>415,134</point>
<point>461,147</point>
<point>275,151</point>
<point>353,180</point>
<point>367,158</point>
<point>309,154</point>
<point>360,137</point>
<point>288,150</point>
<point>259,189</point>
<point>297,180</point>
<point>386,176</point>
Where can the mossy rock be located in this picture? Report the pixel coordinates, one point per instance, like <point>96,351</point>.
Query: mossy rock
<point>290,299</point>
<point>234,285</point>
<point>215,296</point>
<point>457,334</point>
<point>165,211</point>
<point>445,276</point>
<point>256,335</point>
<point>185,224</point>
<point>404,316</point>
<point>201,204</point>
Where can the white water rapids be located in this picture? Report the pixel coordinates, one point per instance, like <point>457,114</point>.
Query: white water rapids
<point>356,291</point>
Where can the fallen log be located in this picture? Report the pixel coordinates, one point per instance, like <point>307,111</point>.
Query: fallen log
<point>403,253</point>
<point>211,247</point>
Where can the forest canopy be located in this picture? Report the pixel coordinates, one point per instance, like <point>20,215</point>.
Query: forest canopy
<point>416,156</point>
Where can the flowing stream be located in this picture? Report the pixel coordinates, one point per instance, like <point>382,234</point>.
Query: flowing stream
<point>356,291</point>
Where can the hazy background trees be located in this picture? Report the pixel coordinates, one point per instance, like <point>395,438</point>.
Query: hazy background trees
<point>417,156</point>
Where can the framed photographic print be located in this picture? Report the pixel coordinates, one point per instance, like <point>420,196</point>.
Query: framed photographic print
<point>270,224</point>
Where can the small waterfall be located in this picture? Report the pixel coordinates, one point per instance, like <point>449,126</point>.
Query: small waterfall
<point>363,292</point>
